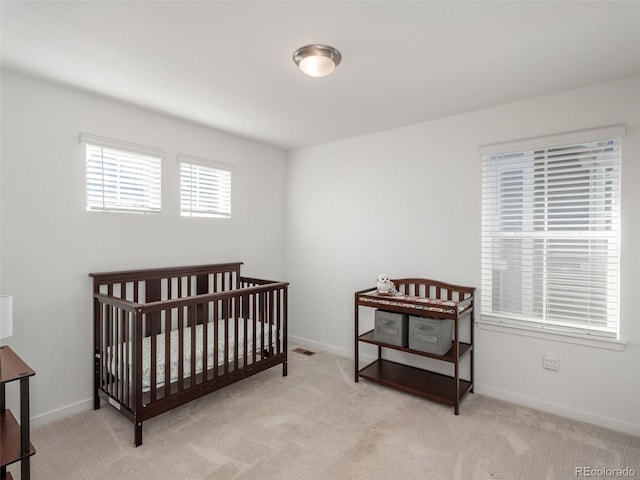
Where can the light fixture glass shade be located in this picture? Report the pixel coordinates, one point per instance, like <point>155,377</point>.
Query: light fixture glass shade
<point>6,316</point>
<point>317,66</point>
<point>317,60</point>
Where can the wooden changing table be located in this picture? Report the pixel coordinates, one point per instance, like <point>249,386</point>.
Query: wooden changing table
<point>425,298</point>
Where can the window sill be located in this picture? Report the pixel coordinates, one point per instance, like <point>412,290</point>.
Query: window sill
<point>557,336</point>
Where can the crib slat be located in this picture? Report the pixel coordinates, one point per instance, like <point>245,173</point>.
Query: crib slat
<point>225,314</point>
<point>167,352</point>
<point>216,333</point>
<point>120,347</point>
<point>126,361</point>
<point>111,349</point>
<point>278,318</point>
<point>270,322</point>
<point>180,348</point>
<point>153,293</point>
<point>102,346</point>
<point>236,335</point>
<point>244,300</point>
<point>205,343</point>
<point>202,287</point>
<point>153,344</point>
<point>263,307</point>
<point>254,316</point>
<point>193,316</point>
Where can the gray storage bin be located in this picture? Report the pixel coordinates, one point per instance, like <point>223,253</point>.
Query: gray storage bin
<point>391,328</point>
<point>430,335</point>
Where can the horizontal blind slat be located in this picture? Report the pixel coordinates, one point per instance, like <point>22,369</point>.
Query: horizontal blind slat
<point>550,248</point>
<point>204,190</point>
<point>122,181</point>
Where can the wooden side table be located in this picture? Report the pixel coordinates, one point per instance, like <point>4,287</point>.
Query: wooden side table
<point>15,444</point>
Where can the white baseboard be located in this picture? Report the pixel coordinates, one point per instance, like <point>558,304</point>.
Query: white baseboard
<point>57,414</point>
<point>310,344</point>
<point>557,409</point>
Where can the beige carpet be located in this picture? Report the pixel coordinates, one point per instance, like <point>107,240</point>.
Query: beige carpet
<point>317,423</point>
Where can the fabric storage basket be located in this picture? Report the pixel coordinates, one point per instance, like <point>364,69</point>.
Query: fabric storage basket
<point>430,335</point>
<point>391,328</point>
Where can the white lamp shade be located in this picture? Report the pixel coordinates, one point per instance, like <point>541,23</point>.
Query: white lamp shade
<point>6,316</point>
<point>317,66</point>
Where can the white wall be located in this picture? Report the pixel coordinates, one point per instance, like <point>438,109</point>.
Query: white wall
<point>50,243</point>
<point>407,202</point>
<point>404,201</point>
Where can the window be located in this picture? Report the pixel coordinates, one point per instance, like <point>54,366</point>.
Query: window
<point>205,187</point>
<point>121,176</point>
<point>551,233</point>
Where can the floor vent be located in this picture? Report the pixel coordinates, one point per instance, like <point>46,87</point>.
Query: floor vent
<point>303,351</point>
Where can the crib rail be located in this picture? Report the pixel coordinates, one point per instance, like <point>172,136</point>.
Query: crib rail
<point>151,356</point>
<point>162,273</point>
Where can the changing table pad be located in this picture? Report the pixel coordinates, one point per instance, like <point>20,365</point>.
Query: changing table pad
<point>416,303</point>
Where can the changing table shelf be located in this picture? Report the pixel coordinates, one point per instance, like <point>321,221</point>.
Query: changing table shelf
<point>450,357</point>
<point>423,383</point>
<point>423,298</point>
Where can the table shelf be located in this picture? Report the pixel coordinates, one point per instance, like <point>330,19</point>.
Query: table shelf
<point>465,348</point>
<point>423,383</point>
<point>10,440</point>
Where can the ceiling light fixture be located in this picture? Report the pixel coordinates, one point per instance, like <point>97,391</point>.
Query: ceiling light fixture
<point>317,60</point>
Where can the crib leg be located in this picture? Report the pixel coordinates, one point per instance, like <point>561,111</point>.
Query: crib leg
<point>137,433</point>
<point>96,384</point>
<point>284,368</point>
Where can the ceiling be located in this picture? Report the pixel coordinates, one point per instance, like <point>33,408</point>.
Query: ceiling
<point>228,64</point>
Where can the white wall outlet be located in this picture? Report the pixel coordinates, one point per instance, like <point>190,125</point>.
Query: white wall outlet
<point>551,362</point>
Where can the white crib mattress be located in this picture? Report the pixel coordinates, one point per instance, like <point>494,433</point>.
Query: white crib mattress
<point>113,362</point>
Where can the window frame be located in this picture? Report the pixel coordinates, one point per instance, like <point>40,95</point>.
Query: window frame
<point>121,155</point>
<point>211,167</point>
<point>526,325</point>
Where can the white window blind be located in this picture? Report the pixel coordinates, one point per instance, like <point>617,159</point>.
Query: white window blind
<point>121,176</point>
<point>205,188</point>
<point>551,233</point>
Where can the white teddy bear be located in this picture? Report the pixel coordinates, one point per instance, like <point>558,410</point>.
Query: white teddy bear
<point>385,285</point>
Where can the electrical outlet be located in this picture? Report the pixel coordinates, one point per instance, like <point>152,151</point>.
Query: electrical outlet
<point>551,362</point>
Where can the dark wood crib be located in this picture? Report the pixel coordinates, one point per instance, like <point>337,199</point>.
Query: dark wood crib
<point>166,336</point>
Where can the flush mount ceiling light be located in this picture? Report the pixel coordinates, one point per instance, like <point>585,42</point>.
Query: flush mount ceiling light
<point>317,60</point>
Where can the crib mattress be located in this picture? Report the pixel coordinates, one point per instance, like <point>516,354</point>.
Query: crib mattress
<point>113,359</point>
